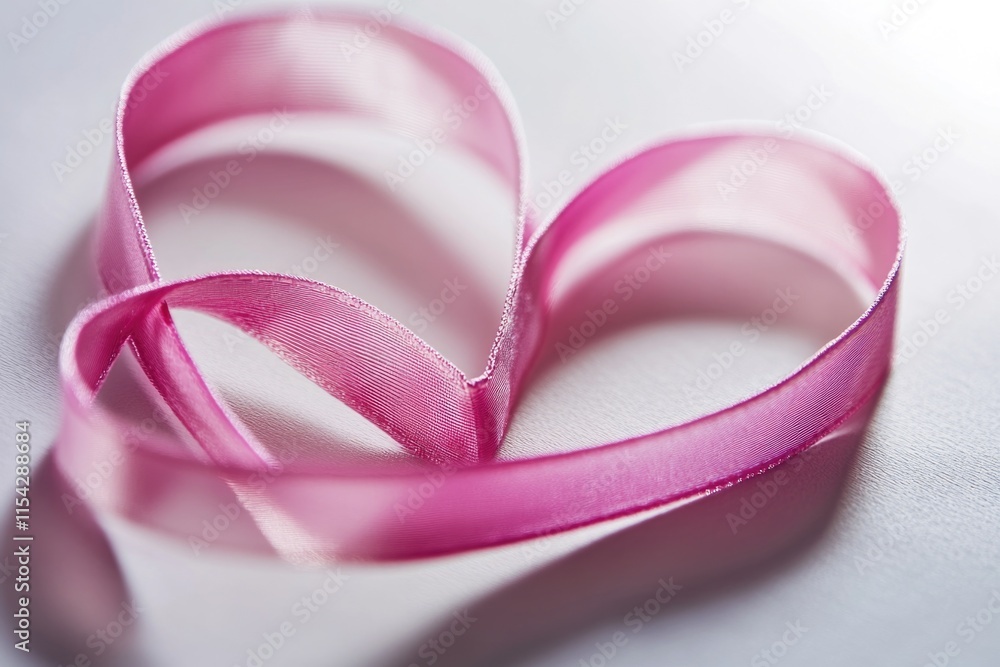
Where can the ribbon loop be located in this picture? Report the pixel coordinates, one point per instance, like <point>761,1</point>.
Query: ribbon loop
<point>408,83</point>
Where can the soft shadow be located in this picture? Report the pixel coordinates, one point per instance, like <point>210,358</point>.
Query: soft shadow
<point>699,546</point>
<point>735,538</point>
<point>389,251</point>
<point>80,604</point>
<point>80,587</point>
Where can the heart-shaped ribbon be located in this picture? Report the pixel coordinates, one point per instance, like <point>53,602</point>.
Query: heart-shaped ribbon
<point>807,198</point>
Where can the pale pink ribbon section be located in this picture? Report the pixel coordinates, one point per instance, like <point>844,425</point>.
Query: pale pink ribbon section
<point>808,198</point>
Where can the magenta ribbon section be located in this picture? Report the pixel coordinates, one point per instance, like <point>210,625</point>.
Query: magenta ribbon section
<point>808,198</point>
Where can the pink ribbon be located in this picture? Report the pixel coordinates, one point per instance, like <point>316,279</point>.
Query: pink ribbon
<point>808,198</point>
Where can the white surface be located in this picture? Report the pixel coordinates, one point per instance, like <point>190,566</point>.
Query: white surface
<point>930,465</point>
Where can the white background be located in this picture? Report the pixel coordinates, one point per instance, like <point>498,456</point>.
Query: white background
<point>923,494</point>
